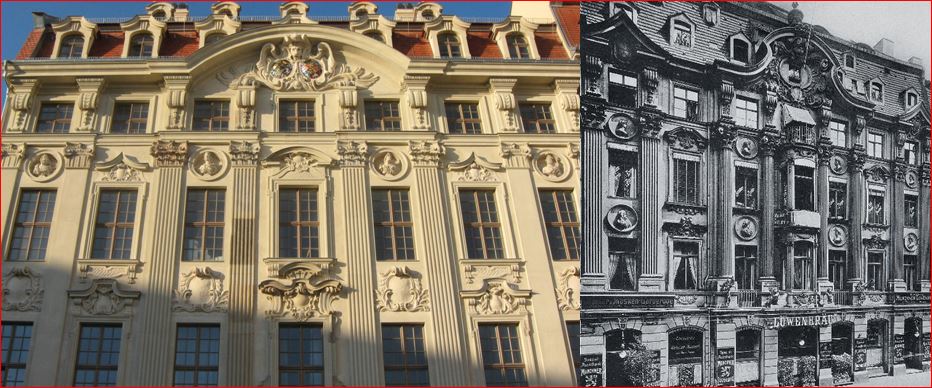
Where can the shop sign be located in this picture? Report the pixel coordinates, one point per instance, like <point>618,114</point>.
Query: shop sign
<point>899,343</point>
<point>811,320</point>
<point>591,369</point>
<point>654,380</point>
<point>685,344</point>
<point>825,355</point>
<point>860,354</point>
<point>599,302</point>
<point>909,298</point>
<point>725,366</point>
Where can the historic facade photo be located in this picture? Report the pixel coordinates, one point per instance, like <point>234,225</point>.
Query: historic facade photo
<point>293,200</point>
<point>756,203</point>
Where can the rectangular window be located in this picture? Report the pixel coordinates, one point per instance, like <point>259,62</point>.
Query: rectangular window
<point>624,252</point>
<point>745,187</point>
<point>562,224</point>
<point>746,112</point>
<point>116,218</point>
<point>17,337</point>
<point>838,131</point>
<point>480,220</point>
<point>394,238</point>
<point>874,145</point>
<point>875,279</point>
<point>463,118</point>
<point>685,103</point>
<point>909,152</point>
<point>911,204</point>
<point>32,225</point>
<point>622,88</point>
<point>55,118</point>
<point>98,355</point>
<point>802,265</point>
<point>382,116</point>
<point>910,272</point>
<point>130,117</point>
<point>876,91</point>
<point>300,355</point>
<point>296,116</point>
<point>298,223</point>
<point>838,268</point>
<point>537,118</point>
<point>837,200</point>
<point>685,260</point>
<point>572,331</point>
<point>805,188</point>
<point>875,211</point>
<point>203,225</point>
<point>682,34</point>
<point>211,116</point>
<point>623,168</point>
<point>501,355</point>
<point>686,181</point>
<point>404,356</point>
<point>746,267</point>
<point>197,355</point>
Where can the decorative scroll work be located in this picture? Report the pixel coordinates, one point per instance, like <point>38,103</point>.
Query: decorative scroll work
<point>400,290</point>
<point>121,169</point>
<point>22,290</point>
<point>497,297</point>
<point>201,290</point>
<point>103,297</point>
<point>475,169</point>
<point>311,292</point>
<point>568,290</point>
<point>296,64</point>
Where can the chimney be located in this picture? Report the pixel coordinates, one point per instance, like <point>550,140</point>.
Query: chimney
<point>915,60</point>
<point>404,12</point>
<point>181,12</point>
<point>538,11</point>
<point>884,46</point>
<point>41,19</point>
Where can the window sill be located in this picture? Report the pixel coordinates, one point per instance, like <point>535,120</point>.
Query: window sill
<point>684,208</point>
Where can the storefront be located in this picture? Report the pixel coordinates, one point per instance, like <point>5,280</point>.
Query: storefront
<point>913,350</point>
<point>748,357</point>
<point>876,346</point>
<point>843,355</point>
<point>685,357</point>
<point>797,353</point>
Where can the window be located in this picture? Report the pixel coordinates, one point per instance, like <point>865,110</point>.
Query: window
<point>213,38</point>
<point>562,224</point>
<point>394,239</point>
<point>463,118</point>
<point>361,14</point>
<point>740,50</point>
<point>141,45</point>
<point>113,232</point>
<point>748,345</point>
<point>911,210</point>
<point>909,152</point>
<point>158,14</point>
<point>875,278</point>
<point>849,61</point>
<point>838,268</point>
<point>480,220</point>
<point>449,45</point>
<point>802,265</point>
<point>745,187</point>
<point>805,188</point>
<point>875,211</point>
<point>32,225</point>
<point>203,225</point>
<point>296,116</point>
<point>72,46</point>
<point>197,355</point>
<point>876,91</point>
<point>746,267</point>
<point>537,118</point>
<point>685,103</point>
<point>17,337</point>
<point>682,34</point>
<point>501,355</point>
<point>211,116</point>
<point>874,145</point>
<point>404,357</point>
<point>838,131</point>
<point>427,14</point>
<point>298,223</point>
<point>375,35</point>
<point>746,112</point>
<point>98,355</point>
<point>300,355</point>
<point>517,46</point>
<point>911,99</point>
<point>837,200</point>
<point>910,272</point>
<point>54,118</point>
<point>572,332</point>
<point>624,253</point>
<point>623,171</point>
<point>382,116</point>
<point>130,117</point>
<point>622,88</point>
<point>686,181</point>
<point>685,259</point>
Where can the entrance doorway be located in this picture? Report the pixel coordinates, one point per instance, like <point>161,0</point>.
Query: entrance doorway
<point>747,358</point>
<point>913,352</point>
<point>797,364</point>
<point>842,353</point>
<point>877,344</point>
<point>621,347</point>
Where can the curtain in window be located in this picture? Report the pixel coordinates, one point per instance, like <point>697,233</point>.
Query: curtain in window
<point>674,271</point>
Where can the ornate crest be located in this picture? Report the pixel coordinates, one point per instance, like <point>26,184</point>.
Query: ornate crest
<point>799,73</point>
<point>497,297</point>
<point>875,242</point>
<point>298,64</point>
<point>121,169</point>
<point>201,290</point>
<point>568,289</point>
<point>483,272</point>
<point>686,139</point>
<point>877,174</point>
<point>400,290</point>
<point>103,297</point>
<point>746,228</point>
<point>309,293</point>
<point>22,290</point>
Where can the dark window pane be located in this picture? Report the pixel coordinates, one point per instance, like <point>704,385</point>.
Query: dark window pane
<point>480,221</point>
<point>17,337</point>
<point>197,355</point>
<point>393,227</point>
<point>113,231</point>
<point>501,355</point>
<point>141,45</point>
<point>211,116</point>
<point>537,118</point>
<point>300,355</point>
<point>463,118</point>
<point>130,118</point>
<point>298,224</point>
<point>404,356</point>
<point>382,116</point>
<point>98,355</point>
<point>296,116</point>
<point>54,118</point>
<point>562,225</point>
<point>517,46</point>
<point>33,223</point>
<point>449,45</point>
<point>204,223</point>
<point>71,47</point>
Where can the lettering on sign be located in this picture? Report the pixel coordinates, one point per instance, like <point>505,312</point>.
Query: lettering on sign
<point>811,320</point>
<point>825,355</point>
<point>597,302</point>
<point>909,298</point>
<point>655,370</point>
<point>591,369</point>
<point>899,343</point>
<point>725,366</point>
<point>860,354</point>
<point>926,346</point>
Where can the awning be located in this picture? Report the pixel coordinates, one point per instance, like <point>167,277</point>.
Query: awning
<point>793,114</point>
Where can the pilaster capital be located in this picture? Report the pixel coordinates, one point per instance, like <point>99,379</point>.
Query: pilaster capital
<point>169,153</point>
<point>426,153</point>
<point>353,153</point>
<point>244,153</point>
<point>516,155</point>
<point>651,122</point>
<point>825,152</point>
<point>177,90</point>
<point>13,155</point>
<point>78,155</point>
<point>856,159</point>
<point>723,133</point>
<point>925,175</point>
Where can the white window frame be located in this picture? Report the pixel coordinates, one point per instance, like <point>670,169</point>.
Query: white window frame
<point>871,149</point>
<point>687,90</point>
<point>700,261</point>
<point>836,126</point>
<point>744,121</point>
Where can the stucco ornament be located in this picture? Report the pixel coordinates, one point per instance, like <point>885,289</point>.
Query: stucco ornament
<point>201,290</point>
<point>22,290</point>
<point>121,169</point>
<point>551,166</point>
<point>568,290</point>
<point>389,165</point>
<point>746,228</point>
<point>309,291</point>
<point>400,290</point>
<point>621,126</point>
<point>837,235</point>
<point>498,297</point>
<point>103,297</point>
<point>621,218</point>
<point>910,242</point>
<point>838,164</point>
<point>208,165</point>
<point>297,64</point>
<point>475,168</point>
<point>44,166</point>
<point>746,147</point>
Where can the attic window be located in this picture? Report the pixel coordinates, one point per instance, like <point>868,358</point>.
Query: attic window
<point>681,34</point>
<point>141,45</point>
<point>740,49</point>
<point>362,13</point>
<point>517,45</point>
<point>427,14</point>
<point>71,47</point>
<point>876,93</point>
<point>227,12</point>
<point>293,11</point>
<point>849,61</point>
<point>911,99</point>
<point>159,14</point>
<point>627,9</point>
<point>375,35</point>
<point>449,45</point>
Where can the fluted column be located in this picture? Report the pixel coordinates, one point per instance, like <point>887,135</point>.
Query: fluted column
<point>243,262</point>
<point>856,199</point>
<point>897,213</point>
<point>13,155</point>
<point>825,157</point>
<point>723,135</point>
<point>157,335</point>
<point>360,322</point>
<point>924,227</point>
<point>594,259</point>
<point>767,253</point>
<point>440,261</point>
<point>651,280</point>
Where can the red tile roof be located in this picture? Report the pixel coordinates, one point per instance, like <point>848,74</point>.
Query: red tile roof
<point>179,44</point>
<point>107,45</point>
<point>549,46</point>
<point>481,45</point>
<point>33,41</point>
<point>568,17</point>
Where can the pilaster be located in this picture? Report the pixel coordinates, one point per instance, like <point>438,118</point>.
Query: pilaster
<point>856,199</point>
<point>415,89</point>
<point>825,153</point>
<point>13,155</point>
<point>897,213</point>
<point>924,248</point>
<point>723,134</point>
<point>244,156</point>
<point>569,103</point>
<point>89,89</point>
<point>767,253</point>
<point>650,119</point>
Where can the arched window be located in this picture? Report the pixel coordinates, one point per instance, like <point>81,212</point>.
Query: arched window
<point>361,14</point>
<point>141,45</point>
<point>293,11</point>
<point>375,35</point>
<point>227,13</point>
<point>213,38</point>
<point>748,357</point>
<point>71,47</point>
<point>449,45</point>
<point>517,46</point>
<point>427,14</point>
<point>159,14</point>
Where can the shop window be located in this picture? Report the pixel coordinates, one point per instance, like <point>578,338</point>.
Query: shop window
<point>623,254</point>
<point>685,260</point>
<point>685,357</point>
<point>747,357</point>
<point>874,145</point>
<point>875,211</point>
<point>685,180</point>
<point>622,88</point>
<point>909,152</point>
<point>837,200</point>
<point>802,265</point>
<point>838,131</point>
<point>746,267</point>
<point>838,269</point>
<point>746,114</point>
<point>805,188</point>
<point>910,272</point>
<point>621,348</point>
<point>623,171</point>
<point>875,279</point>
<point>911,210</point>
<point>745,187</point>
<point>685,103</point>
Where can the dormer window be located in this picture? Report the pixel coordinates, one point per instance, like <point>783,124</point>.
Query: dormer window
<point>141,45</point>
<point>362,13</point>
<point>449,45</point>
<point>627,9</point>
<point>292,12</point>
<point>876,91</point>
<point>849,61</point>
<point>227,13</point>
<point>911,99</point>
<point>517,46</point>
<point>681,31</point>
<point>427,14</point>
<point>159,14</point>
<point>71,47</point>
<point>740,48</point>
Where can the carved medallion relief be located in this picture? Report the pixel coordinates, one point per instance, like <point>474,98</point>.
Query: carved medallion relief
<point>746,228</point>
<point>621,126</point>
<point>551,166</point>
<point>837,235</point>
<point>389,165</point>
<point>209,165</point>
<point>44,166</point>
<point>621,219</point>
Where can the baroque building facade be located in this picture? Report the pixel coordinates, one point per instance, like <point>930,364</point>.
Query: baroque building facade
<point>291,200</point>
<point>756,208</point>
